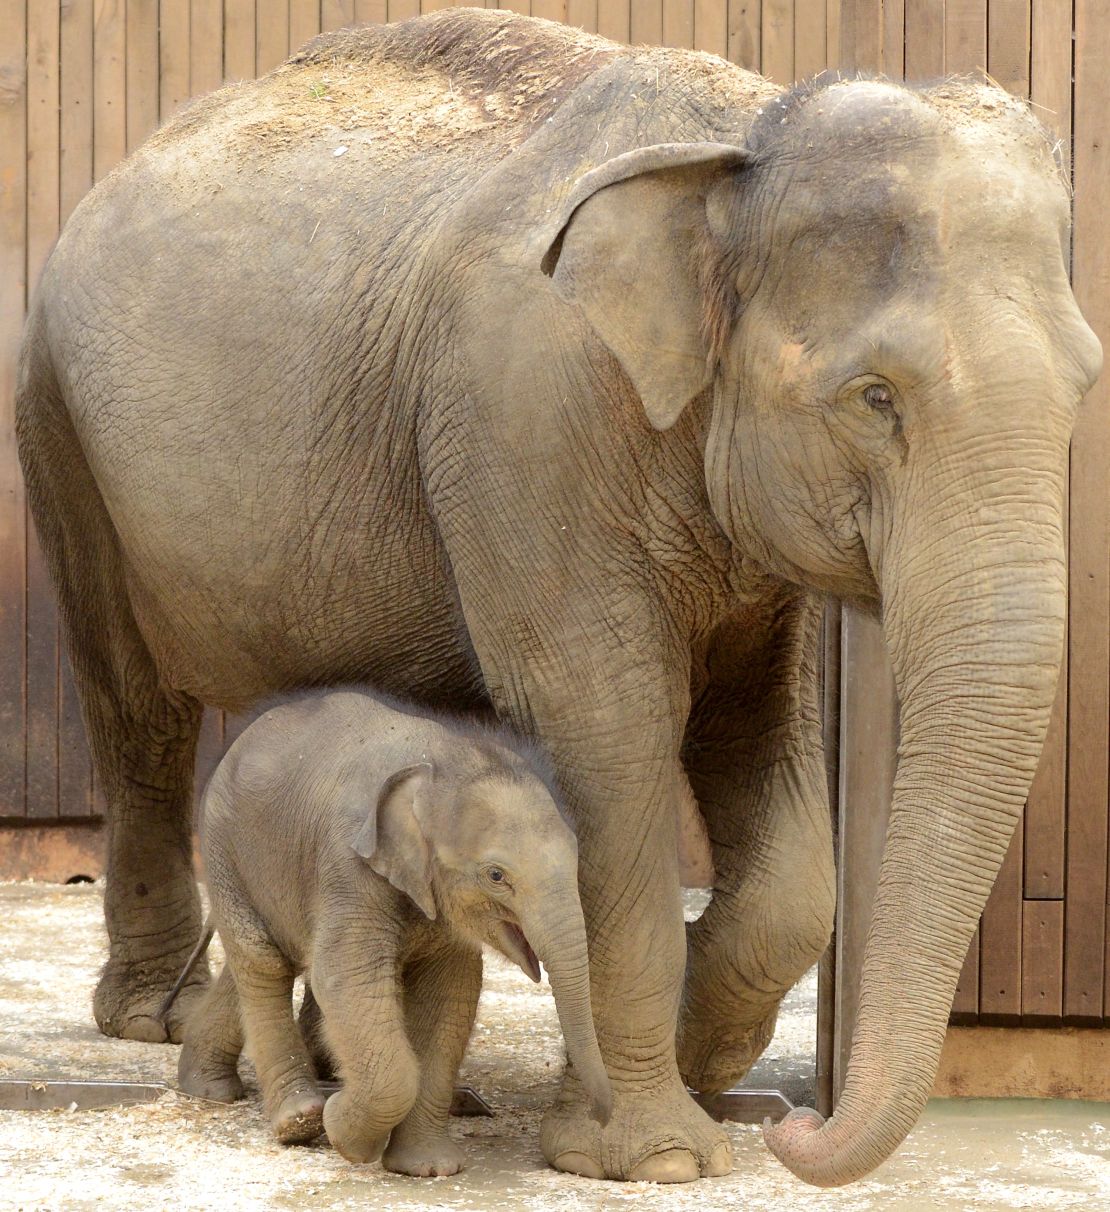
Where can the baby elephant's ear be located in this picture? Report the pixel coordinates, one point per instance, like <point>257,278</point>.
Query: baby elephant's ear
<point>392,842</point>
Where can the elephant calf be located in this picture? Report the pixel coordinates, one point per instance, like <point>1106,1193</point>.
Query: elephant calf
<point>376,850</point>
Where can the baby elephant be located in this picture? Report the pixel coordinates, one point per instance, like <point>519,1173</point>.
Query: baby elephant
<point>375,850</point>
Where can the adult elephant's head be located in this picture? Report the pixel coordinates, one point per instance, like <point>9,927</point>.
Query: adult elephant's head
<point>875,291</point>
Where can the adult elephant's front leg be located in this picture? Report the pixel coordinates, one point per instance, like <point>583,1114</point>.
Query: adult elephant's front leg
<point>754,759</point>
<point>612,728</point>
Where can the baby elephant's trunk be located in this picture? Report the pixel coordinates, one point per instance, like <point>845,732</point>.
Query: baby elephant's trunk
<point>557,933</point>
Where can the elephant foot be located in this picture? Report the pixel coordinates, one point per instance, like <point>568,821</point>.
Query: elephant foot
<point>129,995</point>
<point>428,1157</point>
<point>659,1136</point>
<point>350,1132</point>
<point>201,1078</point>
<point>714,1055</point>
<point>299,1117</point>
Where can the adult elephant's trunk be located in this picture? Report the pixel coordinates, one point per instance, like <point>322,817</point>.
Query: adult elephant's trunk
<point>557,932</point>
<point>974,612</point>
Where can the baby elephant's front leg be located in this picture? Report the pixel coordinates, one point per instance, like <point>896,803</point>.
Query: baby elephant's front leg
<point>365,1031</point>
<point>441,999</point>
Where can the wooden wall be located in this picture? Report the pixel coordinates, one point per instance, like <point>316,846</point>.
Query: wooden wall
<point>83,81</point>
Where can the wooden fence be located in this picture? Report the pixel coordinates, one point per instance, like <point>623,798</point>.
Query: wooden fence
<point>84,81</point>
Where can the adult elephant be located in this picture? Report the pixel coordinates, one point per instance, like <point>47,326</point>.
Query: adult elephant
<point>488,362</point>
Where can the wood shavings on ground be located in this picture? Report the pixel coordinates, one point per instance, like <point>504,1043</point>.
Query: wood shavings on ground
<point>182,1154</point>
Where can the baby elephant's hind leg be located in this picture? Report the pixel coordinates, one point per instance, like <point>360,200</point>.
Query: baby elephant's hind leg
<point>208,1066</point>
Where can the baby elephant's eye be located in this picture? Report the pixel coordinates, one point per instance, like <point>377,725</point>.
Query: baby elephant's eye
<point>496,874</point>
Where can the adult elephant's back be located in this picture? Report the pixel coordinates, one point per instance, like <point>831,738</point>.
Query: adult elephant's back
<point>232,322</point>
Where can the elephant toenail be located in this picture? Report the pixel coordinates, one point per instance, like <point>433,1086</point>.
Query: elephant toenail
<point>578,1163</point>
<point>670,1166</point>
<point>720,1161</point>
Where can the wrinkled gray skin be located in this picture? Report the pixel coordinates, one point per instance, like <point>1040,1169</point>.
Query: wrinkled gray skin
<point>563,389</point>
<point>375,850</point>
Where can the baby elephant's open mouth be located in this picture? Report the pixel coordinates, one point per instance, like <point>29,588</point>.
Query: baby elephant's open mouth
<point>517,948</point>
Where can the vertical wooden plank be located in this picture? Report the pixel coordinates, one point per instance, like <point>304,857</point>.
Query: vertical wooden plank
<point>43,193</point>
<point>810,52</point>
<point>1051,67</point>
<point>868,760</point>
<point>832,32</point>
<point>77,104</point>
<point>745,33</point>
<point>13,235</point>
<point>861,28</point>
<point>645,26</point>
<point>1050,86</point>
<point>271,35</point>
<point>402,10</point>
<point>583,13</point>
<point>109,86</point>
<point>678,23</point>
<point>1000,958</point>
<point>1047,806</point>
<point>924,56</point>
<point>142,70</point>
<point>239,25</point>
<point>173,58</point>
<point>206,46</point>
<point>965,35</point>
<point>335,14</point>
<point>1000,945</point>
<point>710,26</point>
<point>369,12</point>
<point>1085,933</point>
<point>1045,810</point>
<point>894,39</point>
<point>777,40</point>
<point>304,21</point>
<point>965,1004</point>
<point>613,19</point>
<point>1042,959</point>
<point>43,134</point>
<point>1008,44</point>
<point>76,175</point>
<point>556,10</point>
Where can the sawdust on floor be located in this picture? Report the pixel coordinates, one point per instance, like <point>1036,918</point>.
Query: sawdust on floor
<point>180,1153</point>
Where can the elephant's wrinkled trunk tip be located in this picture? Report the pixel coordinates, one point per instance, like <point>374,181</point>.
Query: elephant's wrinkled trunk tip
<point>798,1142</point>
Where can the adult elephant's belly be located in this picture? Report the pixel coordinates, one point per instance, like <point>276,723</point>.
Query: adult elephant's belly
<point>241,596</point>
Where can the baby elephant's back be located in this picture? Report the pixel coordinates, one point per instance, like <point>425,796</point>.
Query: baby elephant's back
<point>281,811</point>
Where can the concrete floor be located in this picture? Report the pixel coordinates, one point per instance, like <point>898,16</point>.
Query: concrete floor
<point>179,1153</point>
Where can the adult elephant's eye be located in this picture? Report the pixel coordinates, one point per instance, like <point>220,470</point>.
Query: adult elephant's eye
<point>497,875</point>
<point>878,395</point>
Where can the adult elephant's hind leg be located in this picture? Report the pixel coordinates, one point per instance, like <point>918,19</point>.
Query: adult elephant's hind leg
<point>145,758</point>
<point>142,734</point>
<point>754,760</point>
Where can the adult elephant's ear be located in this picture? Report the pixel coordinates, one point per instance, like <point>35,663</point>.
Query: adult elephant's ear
<point>391,840</point>
<point>625,247</point>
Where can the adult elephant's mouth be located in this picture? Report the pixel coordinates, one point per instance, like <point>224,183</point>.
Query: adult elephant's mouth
<point>511,942</point>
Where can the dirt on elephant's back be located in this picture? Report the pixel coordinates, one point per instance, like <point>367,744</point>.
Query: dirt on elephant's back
<point>442,81</point>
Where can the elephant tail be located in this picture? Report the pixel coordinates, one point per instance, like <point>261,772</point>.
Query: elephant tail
<point>194,959</point>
